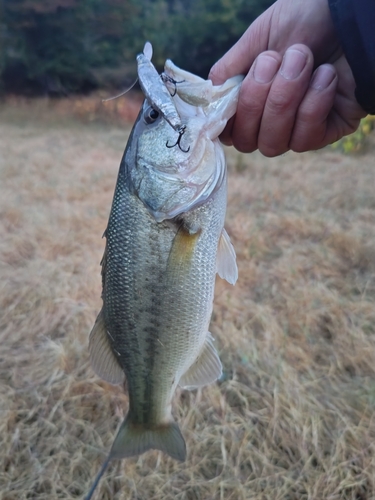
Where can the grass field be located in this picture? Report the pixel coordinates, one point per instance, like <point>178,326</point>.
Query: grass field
<point>293,416</point>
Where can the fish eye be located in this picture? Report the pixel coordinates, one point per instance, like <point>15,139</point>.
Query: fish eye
<point>150,115</point>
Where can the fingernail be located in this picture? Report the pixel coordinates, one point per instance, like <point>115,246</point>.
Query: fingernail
<point>265,68</point>
<point>293,63</point>
<point>322,77</point>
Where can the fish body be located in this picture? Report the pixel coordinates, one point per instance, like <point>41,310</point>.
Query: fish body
<point>165,243</point>
<point>157,303</point>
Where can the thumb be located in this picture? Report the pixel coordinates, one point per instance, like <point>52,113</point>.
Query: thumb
<point>239,58</point>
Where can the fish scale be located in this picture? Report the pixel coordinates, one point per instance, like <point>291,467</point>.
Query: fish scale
<point>165,242</point>
<point>150,332</point>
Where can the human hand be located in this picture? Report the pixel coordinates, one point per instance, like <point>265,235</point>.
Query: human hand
<point>298,92</point>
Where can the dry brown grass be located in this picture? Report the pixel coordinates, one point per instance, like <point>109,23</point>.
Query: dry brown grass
<point>293,416</point>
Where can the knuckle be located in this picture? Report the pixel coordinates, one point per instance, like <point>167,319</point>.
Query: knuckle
<point>251,102</point>
<point>311,110</point>
<point>274,139</point>
<point>250,107</point>
<point>278,103</point>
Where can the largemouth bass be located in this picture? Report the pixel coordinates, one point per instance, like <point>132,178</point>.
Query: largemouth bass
<point>165,243</point>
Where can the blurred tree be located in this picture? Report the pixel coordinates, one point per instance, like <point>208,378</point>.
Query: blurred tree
<point>60,46</point>
<point>206,29</point>
<point>53,45</point>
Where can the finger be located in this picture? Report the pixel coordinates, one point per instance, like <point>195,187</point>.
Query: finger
<point>226,135</point>
<point>240,57</point>
<point>284,98</point>
<point>329,110</point>
<point>346,113</point>
<point>311,129</point>
<point>251,101</point>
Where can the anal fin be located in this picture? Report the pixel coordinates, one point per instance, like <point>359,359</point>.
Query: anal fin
<point>226,265</point>
<point>103,360</point>
<point>206,368</point>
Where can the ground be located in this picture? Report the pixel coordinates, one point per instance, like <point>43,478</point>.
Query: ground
<point>292,417</point>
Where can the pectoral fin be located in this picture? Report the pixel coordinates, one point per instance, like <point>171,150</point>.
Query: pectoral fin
<point>103,361</point>
<point>182,250</point>
<point>205,369</point>
<point>226,265</point>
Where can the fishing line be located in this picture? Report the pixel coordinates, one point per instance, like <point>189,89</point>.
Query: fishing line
<point>122,93</point>
<point>98,478</point>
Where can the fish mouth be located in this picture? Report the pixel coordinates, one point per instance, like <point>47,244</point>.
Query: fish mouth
<point>177,168</point>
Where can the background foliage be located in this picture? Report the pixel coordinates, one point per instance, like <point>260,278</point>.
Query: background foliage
<point>356,141</point>
<point>60,46</point>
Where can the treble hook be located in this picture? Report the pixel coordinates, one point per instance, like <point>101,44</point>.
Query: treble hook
<point>166,78</point>
<point>177,143</point>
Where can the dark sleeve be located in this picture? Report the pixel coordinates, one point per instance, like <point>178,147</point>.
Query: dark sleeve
<point>354,21</point>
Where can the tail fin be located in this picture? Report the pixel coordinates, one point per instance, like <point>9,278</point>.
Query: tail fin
<point>133,439</point>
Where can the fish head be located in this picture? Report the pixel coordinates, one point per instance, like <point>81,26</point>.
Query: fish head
<point>173,171</point>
